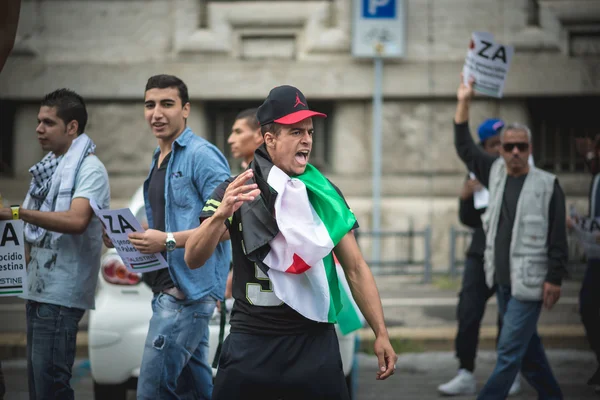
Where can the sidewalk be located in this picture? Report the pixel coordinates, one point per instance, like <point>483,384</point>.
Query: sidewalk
<point>424,315</point>
<point>418,375</point>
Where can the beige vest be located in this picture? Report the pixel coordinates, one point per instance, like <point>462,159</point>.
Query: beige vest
<point>528,247</point>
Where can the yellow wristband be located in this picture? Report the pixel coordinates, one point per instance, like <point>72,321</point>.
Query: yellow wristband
<point>15,211</point>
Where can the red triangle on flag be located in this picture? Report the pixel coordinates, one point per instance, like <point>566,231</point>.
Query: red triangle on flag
<point>298,265</point>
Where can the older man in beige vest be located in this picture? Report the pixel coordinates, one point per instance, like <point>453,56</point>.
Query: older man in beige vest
<point>526,249</point>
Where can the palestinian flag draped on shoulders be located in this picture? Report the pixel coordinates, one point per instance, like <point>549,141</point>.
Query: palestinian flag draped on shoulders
<point>312,218</point>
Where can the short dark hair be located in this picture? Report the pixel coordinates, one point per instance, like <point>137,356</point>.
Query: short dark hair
<point>69,107</point>
<point>273,127</point>
<point>249,115</point>
<point>169,81</point>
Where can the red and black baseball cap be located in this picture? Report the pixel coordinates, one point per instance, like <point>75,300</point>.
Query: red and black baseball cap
<point>285,105</point>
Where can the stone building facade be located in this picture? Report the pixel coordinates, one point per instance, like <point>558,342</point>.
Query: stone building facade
<point>231,53</point>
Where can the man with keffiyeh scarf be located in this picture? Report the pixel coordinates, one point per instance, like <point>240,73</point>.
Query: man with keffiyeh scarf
<point>65,241</point>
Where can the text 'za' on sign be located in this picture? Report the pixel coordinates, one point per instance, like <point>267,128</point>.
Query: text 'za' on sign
<point>488,63</point>
<point>118,224</point>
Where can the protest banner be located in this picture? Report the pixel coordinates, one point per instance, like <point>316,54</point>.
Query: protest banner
<point>488,63</point>
<point>118,224</point>
<point>587,232</point>
<point>13,272</point>
<point>481,197</point>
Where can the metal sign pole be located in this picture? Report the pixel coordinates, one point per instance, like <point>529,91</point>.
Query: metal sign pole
<point>378,32</point>
<point>377,149</point>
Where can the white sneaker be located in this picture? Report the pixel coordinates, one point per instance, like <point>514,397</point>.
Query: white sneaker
<point>463,383</point>
<point>515,388</point>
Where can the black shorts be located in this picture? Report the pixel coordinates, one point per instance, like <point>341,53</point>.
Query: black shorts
<point>289,367</point>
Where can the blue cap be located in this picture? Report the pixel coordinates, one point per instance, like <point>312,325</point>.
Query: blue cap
<point>489,128</point>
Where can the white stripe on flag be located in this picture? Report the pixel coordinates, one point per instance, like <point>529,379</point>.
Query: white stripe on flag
<point>301,234</point>
<point>307,293</point>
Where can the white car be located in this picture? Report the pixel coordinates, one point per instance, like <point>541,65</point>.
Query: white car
<point>119,324</point>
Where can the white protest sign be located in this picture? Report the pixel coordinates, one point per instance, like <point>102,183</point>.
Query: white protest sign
<point>481,197</point>
<point>13,271</point>
<point>488,63</point>
<point>587,231</point>
<point>118,224</point>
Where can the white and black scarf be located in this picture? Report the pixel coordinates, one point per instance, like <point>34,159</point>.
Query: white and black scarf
<point>52,183</point>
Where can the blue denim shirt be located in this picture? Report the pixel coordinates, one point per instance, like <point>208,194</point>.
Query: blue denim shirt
<point>195,169</point>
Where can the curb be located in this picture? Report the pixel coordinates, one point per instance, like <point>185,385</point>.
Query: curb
<point>441,338</point>
<point>14,345</point>
<point>435,338</point>
<point>446,332</point>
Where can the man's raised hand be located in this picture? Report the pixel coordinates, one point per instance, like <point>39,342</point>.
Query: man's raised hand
<point>465,91</point>
<point>236,194</point>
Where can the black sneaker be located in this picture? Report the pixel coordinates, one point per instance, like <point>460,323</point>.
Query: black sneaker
<point>595,379</point>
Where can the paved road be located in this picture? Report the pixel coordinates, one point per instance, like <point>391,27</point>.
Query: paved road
<point>417,376</point>
<point>423,314</point>
<point>405,302</point>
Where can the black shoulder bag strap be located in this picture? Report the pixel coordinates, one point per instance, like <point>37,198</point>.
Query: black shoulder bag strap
<point>221,334</point>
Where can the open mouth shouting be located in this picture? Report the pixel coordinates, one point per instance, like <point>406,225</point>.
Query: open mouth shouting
<point>302,157</point>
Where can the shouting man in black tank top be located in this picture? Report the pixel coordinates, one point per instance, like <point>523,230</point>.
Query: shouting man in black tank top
<point>279,346</point>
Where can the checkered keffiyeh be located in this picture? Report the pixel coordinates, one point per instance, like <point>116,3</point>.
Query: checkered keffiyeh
<point>52,182</point>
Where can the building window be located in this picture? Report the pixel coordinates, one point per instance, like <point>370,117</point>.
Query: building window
<point>221,116</point>
<point>7,121</point>
<point>556,122</point>
<point>204,9</point>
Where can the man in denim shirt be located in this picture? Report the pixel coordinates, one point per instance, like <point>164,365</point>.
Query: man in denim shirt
<point>185,170</point>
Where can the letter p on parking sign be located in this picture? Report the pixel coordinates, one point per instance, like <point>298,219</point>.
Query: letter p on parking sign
<point>379,8</point>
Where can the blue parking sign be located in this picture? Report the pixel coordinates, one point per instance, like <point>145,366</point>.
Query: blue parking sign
<point>379,9</point>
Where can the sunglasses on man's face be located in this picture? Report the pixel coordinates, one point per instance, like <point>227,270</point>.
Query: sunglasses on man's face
<point>522,146</point>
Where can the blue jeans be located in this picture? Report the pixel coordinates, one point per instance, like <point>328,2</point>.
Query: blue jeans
<point>520,348</point>
<point>175,362</point>
<point>51,345</point>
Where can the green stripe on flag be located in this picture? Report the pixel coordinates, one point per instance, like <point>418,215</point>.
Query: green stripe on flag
<point>328,204</point>
<point>144,266</point>
<point>338,220</point>
<point>11,292</point>
<point>335,303</point>
<point>348,319</point>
